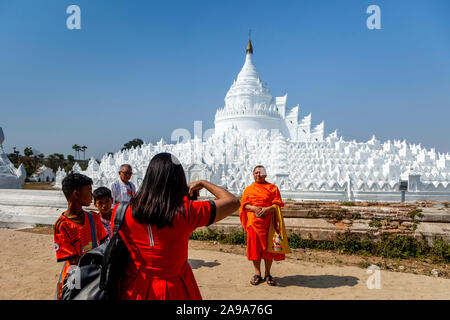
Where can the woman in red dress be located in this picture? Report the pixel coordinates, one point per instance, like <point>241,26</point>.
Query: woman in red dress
<point>157,227</point>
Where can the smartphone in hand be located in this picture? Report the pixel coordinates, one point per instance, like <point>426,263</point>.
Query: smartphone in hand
<point>194,195</point>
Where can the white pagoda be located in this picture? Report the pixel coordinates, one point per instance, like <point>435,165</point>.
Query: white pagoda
<point>255,128</point>
<point>10,177</point>
<point>249,105</point>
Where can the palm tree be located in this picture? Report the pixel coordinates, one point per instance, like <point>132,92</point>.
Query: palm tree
<point>75,147</point>
<point>83,148</point>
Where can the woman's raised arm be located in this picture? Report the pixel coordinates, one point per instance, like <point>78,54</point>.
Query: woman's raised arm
<point>226,203</point>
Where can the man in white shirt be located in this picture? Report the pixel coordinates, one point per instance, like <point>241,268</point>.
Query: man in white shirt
<point>123,189</point>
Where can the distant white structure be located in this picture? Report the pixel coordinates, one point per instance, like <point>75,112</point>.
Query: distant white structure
<point>10,177</point>
<point>255,128</point>
<point>43,174</point>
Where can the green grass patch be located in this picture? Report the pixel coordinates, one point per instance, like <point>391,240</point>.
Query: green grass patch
<point>415,213</point>
<point>364,264</point>
<point>356,215</point>
<point>220,236</point>
<point>336,214</point>
<point>375,223</point>
<point>349,204</point>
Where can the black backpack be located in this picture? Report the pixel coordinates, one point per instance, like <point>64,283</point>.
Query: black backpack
<point>99,270</point>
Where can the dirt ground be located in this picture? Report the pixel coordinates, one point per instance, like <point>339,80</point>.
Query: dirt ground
<point>414,266</point>
<point>28,270</point>
<point>38,186</point>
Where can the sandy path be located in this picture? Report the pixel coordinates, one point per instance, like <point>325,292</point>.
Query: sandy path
<point>28,270</point>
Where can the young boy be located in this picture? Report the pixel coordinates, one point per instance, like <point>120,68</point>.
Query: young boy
<point>103,201</point>
<point>72,230</point>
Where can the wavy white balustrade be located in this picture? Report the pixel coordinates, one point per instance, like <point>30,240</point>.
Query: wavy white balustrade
<point>228,159</point>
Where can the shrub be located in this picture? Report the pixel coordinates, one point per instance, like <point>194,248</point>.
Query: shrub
<point>440,252</point>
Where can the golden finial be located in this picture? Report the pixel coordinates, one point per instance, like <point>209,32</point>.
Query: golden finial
<point>249,45</point>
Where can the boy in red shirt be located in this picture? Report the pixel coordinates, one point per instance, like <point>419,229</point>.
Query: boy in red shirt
<point>72,230</point>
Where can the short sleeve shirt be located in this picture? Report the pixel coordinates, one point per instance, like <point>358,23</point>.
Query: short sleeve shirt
<point>72,239</point>
<point>200,213</point>
<point>121,191</point>
<point>164,251</point>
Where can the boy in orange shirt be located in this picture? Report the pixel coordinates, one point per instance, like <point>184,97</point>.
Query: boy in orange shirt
<point>72,231</point>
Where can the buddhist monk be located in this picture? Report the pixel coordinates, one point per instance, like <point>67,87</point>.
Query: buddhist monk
<point>255,213</point>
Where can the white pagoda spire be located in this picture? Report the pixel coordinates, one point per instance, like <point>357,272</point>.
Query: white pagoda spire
<point>249,103</point>
<point>248,71</point>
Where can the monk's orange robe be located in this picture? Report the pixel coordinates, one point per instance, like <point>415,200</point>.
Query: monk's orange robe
<point>257,228</point>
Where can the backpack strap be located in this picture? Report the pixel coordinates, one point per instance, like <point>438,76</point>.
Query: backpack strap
<point>118,220</point>
<point>120,216</point>
<point>56,295</point>
<point>93,232</point>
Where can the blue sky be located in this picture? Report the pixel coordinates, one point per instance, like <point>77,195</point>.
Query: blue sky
<point>140,69</point>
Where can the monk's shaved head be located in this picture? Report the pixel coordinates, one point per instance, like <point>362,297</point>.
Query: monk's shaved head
<point>259,174</point>
<point>263,170</point>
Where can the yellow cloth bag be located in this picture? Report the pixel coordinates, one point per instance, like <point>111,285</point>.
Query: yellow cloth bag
<point>277,242</point>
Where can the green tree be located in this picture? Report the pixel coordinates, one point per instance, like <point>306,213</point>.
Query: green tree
<point>83,165</point>
<point>14,157</point>
<point>83,148</point>
<point>133,143</point>
<point>68,167</point>
<point>71,158</point>
<point>16,152</point>
<point>29,165</point>
<point>77,149</point>
<point>28,152</point>
<point>54,161</point>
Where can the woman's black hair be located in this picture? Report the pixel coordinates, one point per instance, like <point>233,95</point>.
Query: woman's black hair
<point>160,197</point>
